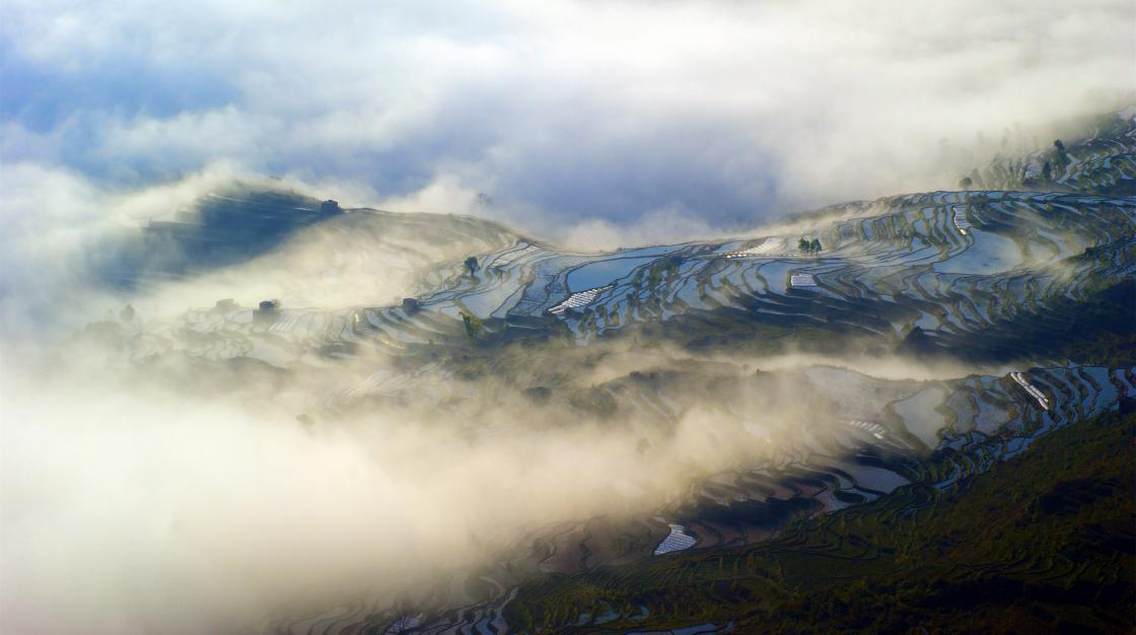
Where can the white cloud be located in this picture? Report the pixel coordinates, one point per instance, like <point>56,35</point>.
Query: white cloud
<point>597,124</point>
<point>653,228</point>
<point>581,109</point>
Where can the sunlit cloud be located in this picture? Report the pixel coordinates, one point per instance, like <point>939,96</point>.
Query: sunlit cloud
<point>143,494</point>
<point>561,111</point>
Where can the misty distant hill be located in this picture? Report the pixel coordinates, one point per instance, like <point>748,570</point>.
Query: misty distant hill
<point>992,317</point>
<point>240,223</point>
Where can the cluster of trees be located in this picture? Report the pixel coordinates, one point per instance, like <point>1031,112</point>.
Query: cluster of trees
<point>1051,170</point>
<point>658,270</point>
<point>808,246</point>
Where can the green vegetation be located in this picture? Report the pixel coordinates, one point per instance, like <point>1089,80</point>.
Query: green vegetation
<point>809,246</point>
<point>659,270</point>
<point>472,324</point>
<point>1045,542</point>
<point>1104,323</point>
<point>472,265</point>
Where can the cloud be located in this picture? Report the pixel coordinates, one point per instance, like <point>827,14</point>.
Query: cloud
<point>562,111</point>
<point>185,496</point>
<point>652,228</point>
<point>140,501</point>
<point>57,224</point>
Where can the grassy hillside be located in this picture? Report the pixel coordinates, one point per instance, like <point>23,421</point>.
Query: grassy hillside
<point>1045,542</point>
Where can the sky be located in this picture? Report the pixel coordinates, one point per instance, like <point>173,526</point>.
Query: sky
<point>668,117</point>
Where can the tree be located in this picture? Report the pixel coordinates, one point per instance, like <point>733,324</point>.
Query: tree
<point>637,279</point>
<point>966,182</point>
<point>803,244</point>
<point>472,265</point>
<point>1062,157</point>
<point>814,246</point>
<point>472,325</point>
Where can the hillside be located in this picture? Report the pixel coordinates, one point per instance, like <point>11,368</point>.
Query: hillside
<point>888,364</point>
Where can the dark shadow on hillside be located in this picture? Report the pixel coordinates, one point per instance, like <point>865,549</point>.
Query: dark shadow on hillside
<point>225,229</point>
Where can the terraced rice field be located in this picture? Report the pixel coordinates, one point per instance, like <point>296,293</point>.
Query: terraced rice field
<point>1001,276</point>
<point>978,422</point>
<point>997,272</point>
<point>1002,289</point>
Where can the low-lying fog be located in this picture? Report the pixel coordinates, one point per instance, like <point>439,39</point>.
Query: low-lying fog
<point>148,503</point>
<point>176,495</point>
